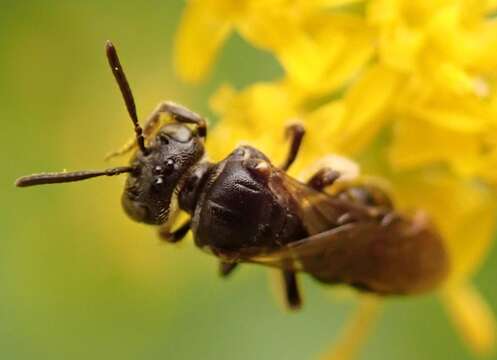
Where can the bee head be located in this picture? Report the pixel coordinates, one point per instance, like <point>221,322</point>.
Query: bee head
<point>151,186</point>
<point>157,167</point>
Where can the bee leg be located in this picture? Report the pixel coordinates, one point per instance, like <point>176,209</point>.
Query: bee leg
<point>123,150</point>
<point>389,217</point>
<point>149,129</point>
<point>292,293</point>
<point>177,112</point>
<point>176,235</point>
<point>323,178</point>
<point>296,132</point>
<point>225,268</point>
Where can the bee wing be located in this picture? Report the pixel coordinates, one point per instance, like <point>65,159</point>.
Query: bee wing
<point>405,255</point>
<point>318,210</point>
<point>294,255</point>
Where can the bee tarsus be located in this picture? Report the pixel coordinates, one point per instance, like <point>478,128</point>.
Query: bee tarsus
<point>226,268</point>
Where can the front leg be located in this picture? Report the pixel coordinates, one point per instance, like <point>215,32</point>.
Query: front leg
<point>177,112</point>
<point>176,235</point>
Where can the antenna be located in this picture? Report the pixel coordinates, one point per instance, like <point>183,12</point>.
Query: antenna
<point>120,77</point>
<point>63,177</point>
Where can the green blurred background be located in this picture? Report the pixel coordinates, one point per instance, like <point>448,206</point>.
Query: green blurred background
<point>78,279</point>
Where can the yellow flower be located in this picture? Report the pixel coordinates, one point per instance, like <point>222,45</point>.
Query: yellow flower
<point>406,88</point>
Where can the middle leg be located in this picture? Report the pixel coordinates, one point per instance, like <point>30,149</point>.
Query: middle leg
<point>323,178</point>
<point>296,133</point>
<point>292,293</point>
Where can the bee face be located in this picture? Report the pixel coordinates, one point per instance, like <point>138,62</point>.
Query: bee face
<point>149,189</point>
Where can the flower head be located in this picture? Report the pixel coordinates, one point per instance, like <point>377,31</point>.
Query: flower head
<point>406,88</point>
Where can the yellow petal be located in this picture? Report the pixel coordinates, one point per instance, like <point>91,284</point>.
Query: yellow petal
<point>201,33</point>
<point>222,99</point>
<point>417,143</point>
<point>488,169</point>
<point>460,32</point>
<point>224,139</point>
<point>260,106</point>
<point>472,317</point>
<point>322,131</point>
<point>257,114</point>
<point>443,28</point>
<point>324,125</point>
<point>454,119</point>
<point>491,5</point>
<point>455,78</point>
<point>419,13</point>
<point>383,12</point>
<point>356,53</point>
<point>356,331</point>
<point>302,61</point>
<point>344,43</point>
<point>333,3</point>
<point>326,48</point>
<point>484,40</point>
<point>272,30</point>
<point>399,47</point>
<point>473,11</point>
<point>270,27</point>
<point>366,104</point>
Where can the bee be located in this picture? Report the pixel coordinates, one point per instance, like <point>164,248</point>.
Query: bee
<point>244,209</point>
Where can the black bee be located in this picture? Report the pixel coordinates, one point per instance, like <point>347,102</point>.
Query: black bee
<point>245,209</point>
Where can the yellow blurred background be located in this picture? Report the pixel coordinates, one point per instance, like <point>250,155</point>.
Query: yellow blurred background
<point>78,279</point>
